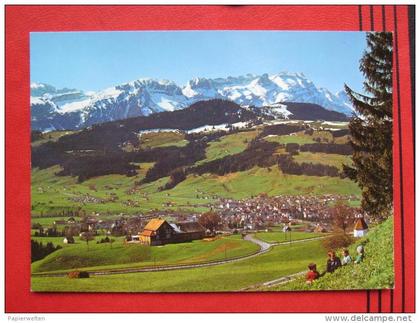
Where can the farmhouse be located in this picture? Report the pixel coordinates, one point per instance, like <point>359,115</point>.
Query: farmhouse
<point>360,228</point>
<point>68,240</point>
<point>192,230</point>
<point>160,232</point>
<point>157,232</point>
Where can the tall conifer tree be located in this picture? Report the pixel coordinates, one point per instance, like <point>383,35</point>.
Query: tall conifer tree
<point>371,128</point>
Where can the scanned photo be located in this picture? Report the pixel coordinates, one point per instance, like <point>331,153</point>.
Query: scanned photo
<point>208,161</point>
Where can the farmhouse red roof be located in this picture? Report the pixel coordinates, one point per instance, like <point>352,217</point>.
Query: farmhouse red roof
<point>360,224</point>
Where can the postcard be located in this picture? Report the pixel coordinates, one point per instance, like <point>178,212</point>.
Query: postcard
<point>211,161</point>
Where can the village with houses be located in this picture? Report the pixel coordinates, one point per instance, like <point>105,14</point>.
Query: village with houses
<point>231,232</point>
<point>261,213</point>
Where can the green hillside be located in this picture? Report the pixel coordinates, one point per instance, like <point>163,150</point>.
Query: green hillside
<point>279,237</point>
<point>278,262</point>
<point>162,139</point>
<point>52,194</point>
<point>228,145</point>
<point>102,256</point>
<point>375,272</point>
<point>322,158</point>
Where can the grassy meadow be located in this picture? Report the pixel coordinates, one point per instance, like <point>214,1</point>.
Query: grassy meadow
<point>298,138</point>
<point>56,191</point>
<point>52,136</point>
<point>162,139</point>
<point>322,158</point>
<point>103,256</point>
<point>228,145</point>
<point>278,262</point>
<point>279,237</point>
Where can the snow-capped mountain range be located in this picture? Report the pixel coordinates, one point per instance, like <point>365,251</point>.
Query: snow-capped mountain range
<point>56,109</point>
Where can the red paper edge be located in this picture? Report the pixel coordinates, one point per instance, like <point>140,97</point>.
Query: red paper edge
<point>21,20</point>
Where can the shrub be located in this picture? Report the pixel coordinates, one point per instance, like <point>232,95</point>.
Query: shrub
<point>36,226</point>
<point>337,241</point>
<point>105,240</point>
<point>83,274</point>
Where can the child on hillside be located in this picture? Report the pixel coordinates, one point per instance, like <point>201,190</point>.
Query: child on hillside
<point>312,274</point>
<point>360,255</point>
<point>346,258</point>
<point>333,262</point>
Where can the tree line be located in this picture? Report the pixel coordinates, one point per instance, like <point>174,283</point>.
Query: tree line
<point>328,148</point>
<point>40,251</point>
<point>289,166</point>
<point>258,153</point>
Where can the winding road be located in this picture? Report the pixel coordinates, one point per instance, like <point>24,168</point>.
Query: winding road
<point>264,247</point>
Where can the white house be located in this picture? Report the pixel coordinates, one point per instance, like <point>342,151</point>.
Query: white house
<point>69,239</point>
<point>360,228</point>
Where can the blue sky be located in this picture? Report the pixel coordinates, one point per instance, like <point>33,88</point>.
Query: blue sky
<point>96,60</point>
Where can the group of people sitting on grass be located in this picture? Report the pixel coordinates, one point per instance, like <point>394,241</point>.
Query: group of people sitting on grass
<point>334,262</point>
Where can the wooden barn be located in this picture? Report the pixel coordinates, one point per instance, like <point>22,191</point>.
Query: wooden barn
<point>192,230</point>
<point>160,232</point>
<point>157,232</point>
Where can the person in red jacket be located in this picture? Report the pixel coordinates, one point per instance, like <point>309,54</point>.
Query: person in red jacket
<point>312,274</point>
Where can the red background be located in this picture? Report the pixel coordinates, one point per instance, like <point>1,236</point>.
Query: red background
<point>21,20</point>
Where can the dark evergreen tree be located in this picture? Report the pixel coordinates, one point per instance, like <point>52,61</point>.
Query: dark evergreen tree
<point>371,128</point>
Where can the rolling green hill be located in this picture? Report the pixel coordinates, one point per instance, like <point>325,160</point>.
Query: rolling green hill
<point>162,139</point>
<point>228,145</point>
<point>274,237</point>
<point>278,262</point>
<point>54,194</point>
<point>102,256</point>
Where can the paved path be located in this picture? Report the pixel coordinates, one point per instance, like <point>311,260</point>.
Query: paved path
<point>283,279</point>
<point>278,281</point>
<point>264,247</point>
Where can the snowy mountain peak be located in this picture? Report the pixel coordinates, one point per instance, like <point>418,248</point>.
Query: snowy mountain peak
<point>35,85</point>
<point>199,82</point>
<point>144,96</point>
